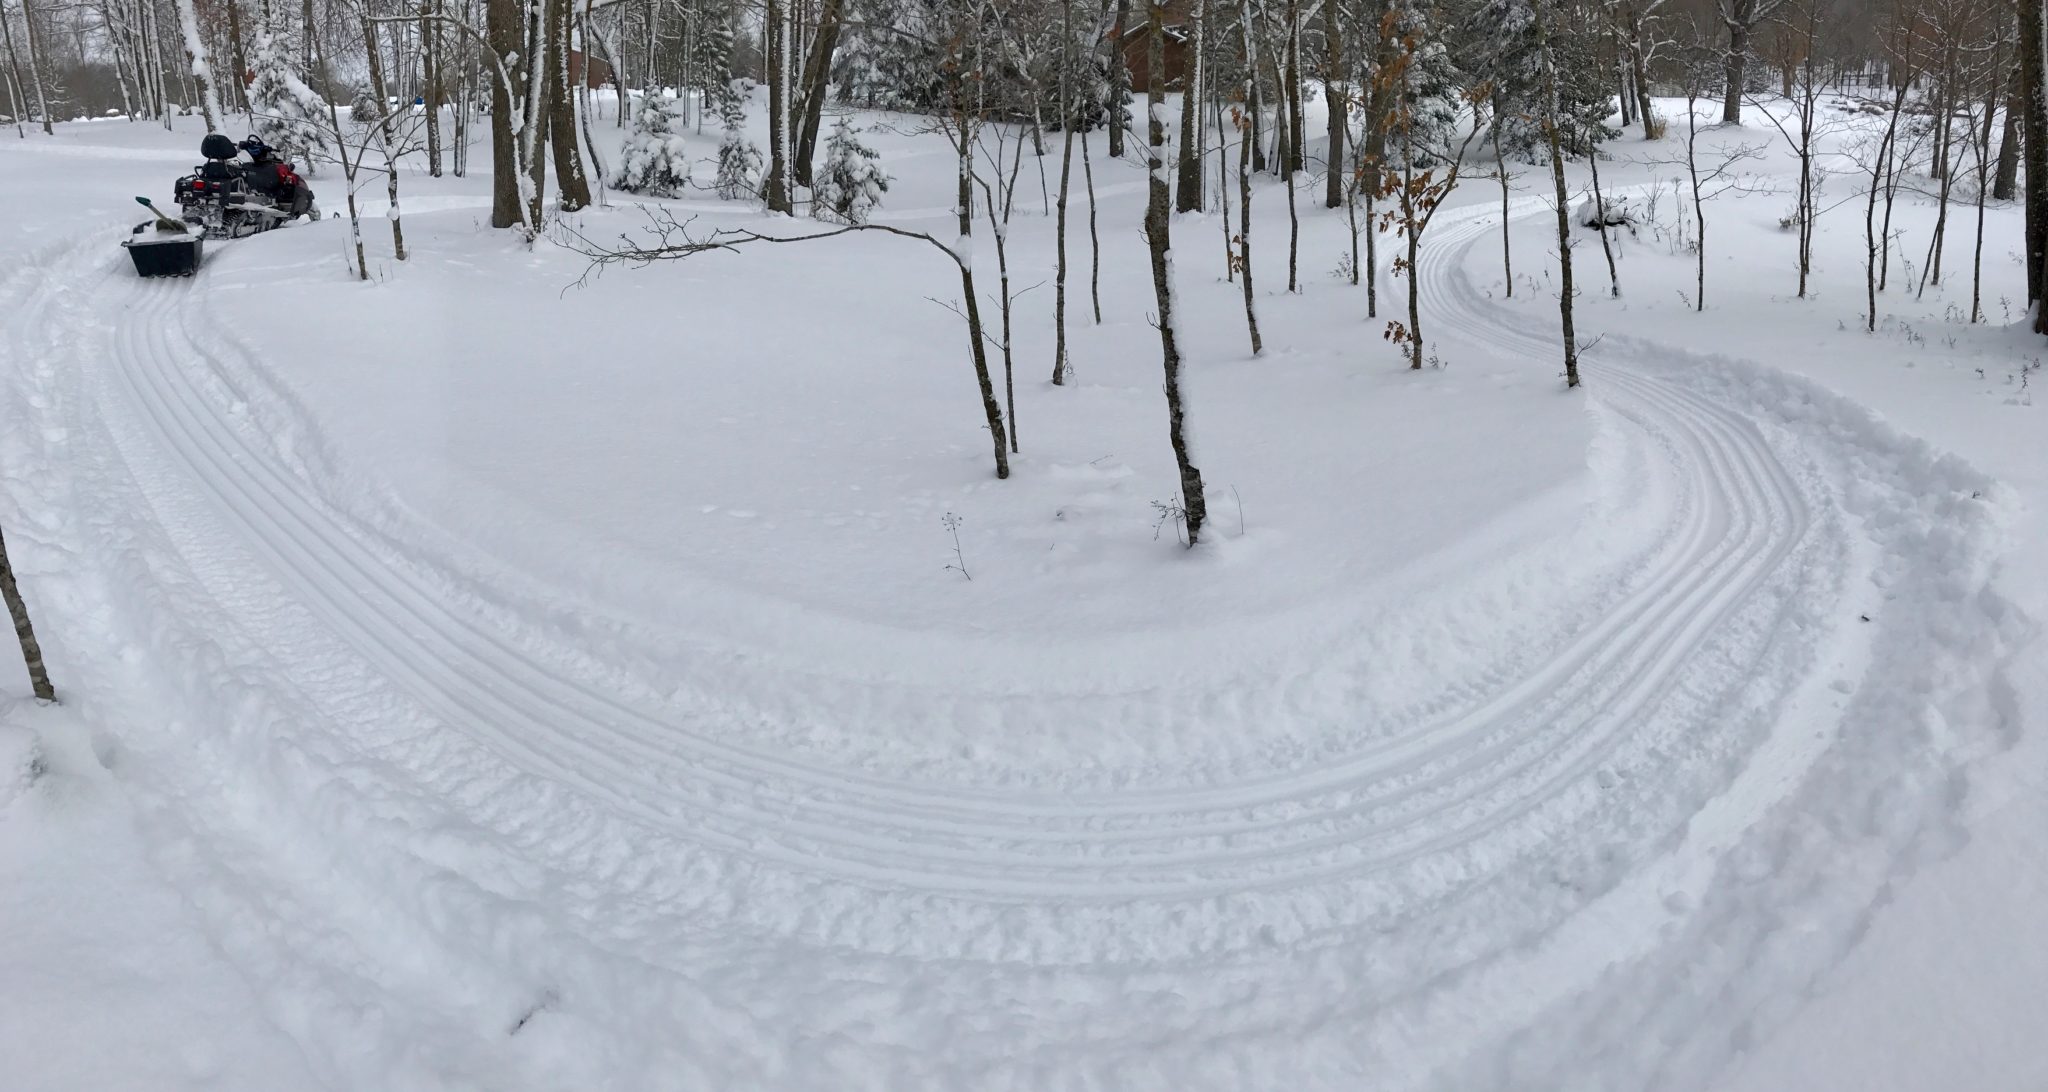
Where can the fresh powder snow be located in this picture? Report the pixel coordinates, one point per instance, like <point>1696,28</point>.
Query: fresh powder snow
<point>496,670</point>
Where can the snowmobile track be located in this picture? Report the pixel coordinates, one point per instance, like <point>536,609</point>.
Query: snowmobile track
<point>1437,787</point>
<point>1368,886</point>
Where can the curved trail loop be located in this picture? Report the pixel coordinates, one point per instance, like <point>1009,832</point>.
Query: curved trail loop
<point>548,830</point>
<point>1440,785</point>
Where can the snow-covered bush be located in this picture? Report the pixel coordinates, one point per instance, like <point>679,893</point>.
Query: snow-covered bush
<point>850,186</point>
<point>739,161</point>
<point>289,115</point>
<point>653,162</point>
<point>1610,212</point>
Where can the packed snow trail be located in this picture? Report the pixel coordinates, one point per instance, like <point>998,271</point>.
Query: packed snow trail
<point>395,781</point>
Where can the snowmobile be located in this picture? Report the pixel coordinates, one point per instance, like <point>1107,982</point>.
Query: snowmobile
<point>239,191</point>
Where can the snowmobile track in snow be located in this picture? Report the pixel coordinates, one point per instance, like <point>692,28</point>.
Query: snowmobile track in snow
<point>1519,809</point>
<point>1486,768</point>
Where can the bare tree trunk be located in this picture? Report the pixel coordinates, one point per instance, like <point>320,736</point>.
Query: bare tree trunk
<point>1223,185</point>
<point>1878,169</point>
<point>816,79</point>
<point>238,56</point>
<point>1335,97</point>
<point>1623,94</point>
<point>465,94</point>
<point>1119,81</point>
<point>1188,192</point>
<point>777,188</point>
<point>1500,171</point>
<point>1094,238</point>
<point>430,66</point>
<point>586,105</point>
<point>977,339</point>
<point>202,68</point>
<point>121,41</point>
<point>1600,212</point>
<point>1943,167</point>
<point>1931,267</point>
<point>572,184</point>
<point>1564,216</point>
<point>149,62</point>
<point>35,66</point>
<point>1159,243</point>
<point>1244,178</point>
<point>2008,177</point>
<point>1638,67</point>
<point>999,226</point>
<point>1412,236</point>
<point>504,26</point>
<point>1067,125</point>
<point>1977,254</point>
<point>1884,238</point>
<point>965,120</point>
<point>348,174</point>
<point>1738,55</point>
<point>1982,149</point>
<point>384,135</point>
<point>1256,110</point>
<point>1293,239</point>
<point>2034,153</point>
<point>118,24</point>
<point>1372,236</point>
<point>533,114</point>
<point>17,96</point>
<point>1297,127</point>
<point>1351,224</point>
<point>31,652</point>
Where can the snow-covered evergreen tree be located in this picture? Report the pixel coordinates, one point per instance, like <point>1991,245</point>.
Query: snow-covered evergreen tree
<point>850,186</point>
<point>289,115</point>
<point>739,161</point>
<point>888,60</point>
<point>1427,91</point>
<point>711,59</point>
<point>1500,47</point>
<point>653,162</point>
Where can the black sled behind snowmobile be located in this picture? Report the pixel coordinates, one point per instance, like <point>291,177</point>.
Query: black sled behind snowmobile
<point>172,249</point>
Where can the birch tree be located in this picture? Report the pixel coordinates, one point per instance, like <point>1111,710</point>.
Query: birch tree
<point>1070,120</point>
<point>1160,245</point>
<point>1553,132</point>
<point>17,95</point>
<point>24,633</point>
<point>1188,191</point>
<point>35,65</point>
<point>1246,137</point>
<point>202,68</point>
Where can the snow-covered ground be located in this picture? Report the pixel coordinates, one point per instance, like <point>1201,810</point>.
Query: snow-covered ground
<point>478,681</point>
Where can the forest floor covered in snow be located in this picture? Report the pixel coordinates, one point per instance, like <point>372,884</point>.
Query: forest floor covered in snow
<point>475,679</point>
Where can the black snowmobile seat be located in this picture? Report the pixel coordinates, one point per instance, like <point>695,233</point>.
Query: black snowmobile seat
<point>216,171</point>
<point>265,178</point>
